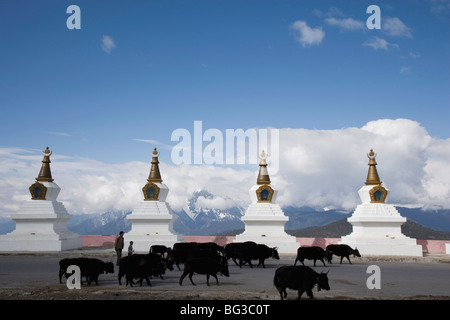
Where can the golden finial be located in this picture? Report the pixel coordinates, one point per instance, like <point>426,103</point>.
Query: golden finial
<point>45,173</point>
<point>155,175</point>
<point>263,176</point>
<point>372,175</point>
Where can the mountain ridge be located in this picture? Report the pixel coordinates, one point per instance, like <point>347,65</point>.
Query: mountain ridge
<point>207,214</point>
<point>342,227</point>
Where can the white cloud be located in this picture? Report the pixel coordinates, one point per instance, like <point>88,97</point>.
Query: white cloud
<point>404,70</point>
<point>155,143</point>
<point>318,168</point>
<point>440,7</point>
<point>436,180</point>
<point>225,183</point>
<point>62,134</point>
<point>216,202</point>
<point>325,168</point>
<point>395,27</point>
<point>306,35</point>
<point>108,44</point>
<point>317,13</point>
<point>346,24</point>
<point>379,43</point>
<point>335,12</point>
<point>414,55</point>
<point>148,141</point>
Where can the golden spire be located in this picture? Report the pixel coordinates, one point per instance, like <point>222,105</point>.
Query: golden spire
<point>372,175</point>
<point>263,176</point>
<point>45,173</point>
<point>155,175</point>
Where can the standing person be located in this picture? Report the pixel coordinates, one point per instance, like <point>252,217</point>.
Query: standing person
<point>118,246</point>
<point>130,248</point>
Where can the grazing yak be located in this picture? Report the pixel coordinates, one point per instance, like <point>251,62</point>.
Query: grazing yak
<point>310,253</point>
<point>235,250</point>
<point>209,246</point>
<point>165,252</point>
<point>142,266</point>
<point>90,268</point>
<point>341,250</point>
<point>207,266</point>
<point>258,251</point>
<point>299,278</point>
<point>182,251</point>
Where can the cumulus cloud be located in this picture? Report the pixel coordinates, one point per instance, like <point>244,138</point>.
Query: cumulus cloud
<point>226,183</point>
<point>325,168</point>
<point>216,202</point>
<point>379,43</point>
<point>437,175</point>
<point>318,168</point>
<point>306,35</point>
<point>346,24</point>
<point>90,186</point>
<point>395,27</point>
<point>108,44</point>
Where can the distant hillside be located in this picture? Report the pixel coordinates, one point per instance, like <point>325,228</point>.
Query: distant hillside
<point>435,219</point>
<point>106,223</point>
<point>196,219</point>
<point>6,225</point>
<point>342,227</point>
<point>335,229</point>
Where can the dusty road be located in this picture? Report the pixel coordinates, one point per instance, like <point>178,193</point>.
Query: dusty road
<point>35,277</point>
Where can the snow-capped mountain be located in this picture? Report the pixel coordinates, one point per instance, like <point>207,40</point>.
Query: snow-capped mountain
<point>106,223</point>
<point>206,214</point>
<point>209,214</point>
<point>203,214</point>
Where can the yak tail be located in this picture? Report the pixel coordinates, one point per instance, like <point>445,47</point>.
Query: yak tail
<point>328,253</point>
<point>276,281</point>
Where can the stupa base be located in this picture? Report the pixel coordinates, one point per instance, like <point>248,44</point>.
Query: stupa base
<point>388,246</point>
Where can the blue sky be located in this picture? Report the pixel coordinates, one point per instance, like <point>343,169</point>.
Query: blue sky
<point>230,64</point>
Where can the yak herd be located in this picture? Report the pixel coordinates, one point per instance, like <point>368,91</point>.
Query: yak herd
<point>210,259</point>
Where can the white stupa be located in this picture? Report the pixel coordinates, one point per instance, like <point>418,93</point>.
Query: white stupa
<point>264,220</point>
<point>41,223</point>
<point>377,225</point>
<point>152,218</point>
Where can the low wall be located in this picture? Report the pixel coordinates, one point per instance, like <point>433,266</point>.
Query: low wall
<point>433,246</point>
<point>98,240</point>
<point>430,246</point>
